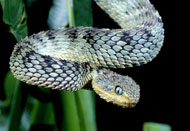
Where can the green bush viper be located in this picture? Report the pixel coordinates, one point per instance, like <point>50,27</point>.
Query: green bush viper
<point>69,58</point>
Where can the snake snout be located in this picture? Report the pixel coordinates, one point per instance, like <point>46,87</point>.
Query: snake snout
<point>118,89</point>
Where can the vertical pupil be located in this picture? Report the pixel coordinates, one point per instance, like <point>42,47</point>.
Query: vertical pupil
<point>118,90</point>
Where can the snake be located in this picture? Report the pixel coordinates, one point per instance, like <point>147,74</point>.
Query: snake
<point>70,58</point>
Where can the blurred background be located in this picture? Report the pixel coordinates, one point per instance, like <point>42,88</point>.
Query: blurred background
<point>159,102</point>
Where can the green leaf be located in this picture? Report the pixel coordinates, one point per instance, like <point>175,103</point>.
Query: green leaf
<point>12,10</point>
<point>17,107</point>
<point>65,109</point>
<point>10,83</point>
<point>86,109</point>
<point>82,10</point>
<point>14,14</point>
<point>21,29</point>
<point>42,113</point>
<point>2,3</point>
<point>74,111</point>
<point>152,126</point>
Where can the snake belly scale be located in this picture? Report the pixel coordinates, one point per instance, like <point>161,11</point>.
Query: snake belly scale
<point>68,58</point>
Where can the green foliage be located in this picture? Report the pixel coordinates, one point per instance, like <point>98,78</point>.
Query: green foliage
<point>69,116</point>
<point>17,107</point>
<point>14,15</point>
<point>82,12</point>
<point>86,108</point>
<point>10,84</point>
<point>152,126</point>
<point>42,113</point>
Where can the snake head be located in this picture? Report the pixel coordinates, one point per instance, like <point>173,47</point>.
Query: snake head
<point>118,89</point>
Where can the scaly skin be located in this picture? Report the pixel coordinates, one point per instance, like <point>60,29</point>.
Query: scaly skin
<point>68,58</point>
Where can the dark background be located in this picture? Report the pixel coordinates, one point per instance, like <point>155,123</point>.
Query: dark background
<point>162,88</point>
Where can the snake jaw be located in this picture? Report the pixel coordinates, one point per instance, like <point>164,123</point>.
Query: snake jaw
<point>105,83</point>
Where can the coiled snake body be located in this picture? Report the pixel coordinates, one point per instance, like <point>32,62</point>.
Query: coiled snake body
<point>68,58</point>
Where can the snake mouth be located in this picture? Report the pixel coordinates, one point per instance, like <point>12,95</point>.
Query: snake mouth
<point>131,103</point>
<point>125,101</point>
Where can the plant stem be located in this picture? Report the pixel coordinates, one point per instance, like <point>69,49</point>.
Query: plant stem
<point>17,107</point>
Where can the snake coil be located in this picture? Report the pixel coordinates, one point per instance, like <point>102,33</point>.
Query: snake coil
<point>68,58</point>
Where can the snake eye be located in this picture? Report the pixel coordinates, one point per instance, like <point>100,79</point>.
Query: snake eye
<point>118,90</point>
